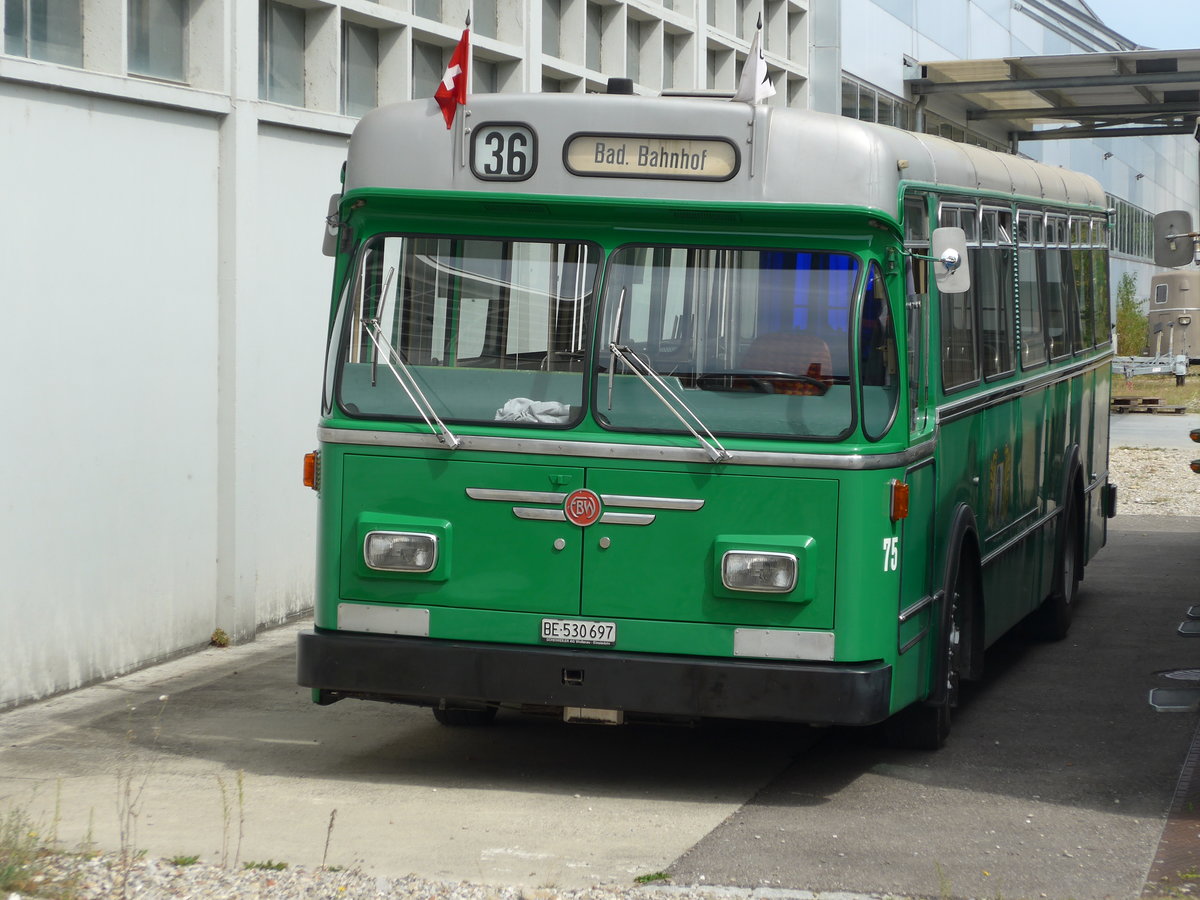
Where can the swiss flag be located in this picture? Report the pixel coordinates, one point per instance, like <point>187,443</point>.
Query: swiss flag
<point>452,92</point>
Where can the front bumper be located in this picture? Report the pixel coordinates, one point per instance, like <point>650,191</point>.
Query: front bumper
<point>426,671</point>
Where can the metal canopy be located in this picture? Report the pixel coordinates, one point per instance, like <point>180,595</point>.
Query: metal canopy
<point>1138,92</point>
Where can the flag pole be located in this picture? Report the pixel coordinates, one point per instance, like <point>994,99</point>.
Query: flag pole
<point>466,110</point>
<point>750,61</point>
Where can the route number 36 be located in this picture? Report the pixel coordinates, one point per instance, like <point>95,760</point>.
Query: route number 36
<point>891,554</point>
<point>501,152</point>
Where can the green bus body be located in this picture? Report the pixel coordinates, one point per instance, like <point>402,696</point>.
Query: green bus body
<point>833,541</point>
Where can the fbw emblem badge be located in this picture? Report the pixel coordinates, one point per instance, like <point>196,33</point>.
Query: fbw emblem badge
<point>582,507</point>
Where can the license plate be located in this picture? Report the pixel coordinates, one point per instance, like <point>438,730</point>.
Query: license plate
<point>574,631</point>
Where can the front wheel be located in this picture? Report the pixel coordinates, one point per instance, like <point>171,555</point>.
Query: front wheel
<point>926,725</point>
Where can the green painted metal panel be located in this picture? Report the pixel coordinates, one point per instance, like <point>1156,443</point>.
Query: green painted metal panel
<point>499,561</point>
<point>669,569</point>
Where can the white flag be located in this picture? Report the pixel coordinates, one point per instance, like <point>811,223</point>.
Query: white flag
<point>755,85</point>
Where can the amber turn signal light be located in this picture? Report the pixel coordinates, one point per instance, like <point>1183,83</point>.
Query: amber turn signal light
<point>898,507</point>
<point>312,476</point>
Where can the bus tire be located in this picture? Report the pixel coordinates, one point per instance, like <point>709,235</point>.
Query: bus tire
<point>458,716</point>
<point>1053,617</point>
<point>926,725</point>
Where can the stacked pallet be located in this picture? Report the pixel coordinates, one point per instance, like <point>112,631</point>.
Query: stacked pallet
<point>1145,405</point>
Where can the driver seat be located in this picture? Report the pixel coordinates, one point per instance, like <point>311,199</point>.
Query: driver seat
<point>797,352</point>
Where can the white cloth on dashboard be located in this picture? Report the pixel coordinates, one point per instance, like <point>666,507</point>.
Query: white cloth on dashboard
<point>522,409</point>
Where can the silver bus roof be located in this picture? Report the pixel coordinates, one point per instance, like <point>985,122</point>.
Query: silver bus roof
<point>799,156</point>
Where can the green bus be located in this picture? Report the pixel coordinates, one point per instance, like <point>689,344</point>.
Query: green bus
<point>672,408</point>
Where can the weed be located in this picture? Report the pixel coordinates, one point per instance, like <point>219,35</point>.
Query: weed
<point>652,877</point>
<point>943,882</point>
<point>184,860</point>
<point>24,857</point>
<point>328,837</point>
<point>19,847</point>
<point>227,817</point>
<point>219,638</point>
<point>130,791</point>
<point>225,814</point>
<point>269,865</point>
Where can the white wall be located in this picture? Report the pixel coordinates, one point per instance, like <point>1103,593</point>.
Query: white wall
<point>163,346</point>
<point>283,320</point>
<point>107,537</point>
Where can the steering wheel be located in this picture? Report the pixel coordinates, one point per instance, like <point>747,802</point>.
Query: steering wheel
<point>762,380</point>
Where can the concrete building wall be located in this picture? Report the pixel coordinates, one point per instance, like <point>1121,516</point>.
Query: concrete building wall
<point>108,532</point>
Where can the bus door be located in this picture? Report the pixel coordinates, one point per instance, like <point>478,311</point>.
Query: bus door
<point>916,532</point>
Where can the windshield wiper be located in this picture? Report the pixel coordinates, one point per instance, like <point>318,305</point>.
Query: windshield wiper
<point>653,381</point>
<point>407,381</point>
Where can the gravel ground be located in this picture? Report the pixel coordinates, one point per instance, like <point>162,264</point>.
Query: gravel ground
<point>1155,482</point>
<point>1151,482</point>
<point>80,877</point>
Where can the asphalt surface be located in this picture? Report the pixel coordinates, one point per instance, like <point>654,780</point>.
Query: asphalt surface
<point>1057,780</point>
<point>1152,430</point>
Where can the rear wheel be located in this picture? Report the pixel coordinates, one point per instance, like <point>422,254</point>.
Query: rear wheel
<point>1052,620</point>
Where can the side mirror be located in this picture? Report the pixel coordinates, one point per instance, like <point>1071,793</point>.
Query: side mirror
<point>950,267</point>
<point>1174,240</point>
<point>330,243</point>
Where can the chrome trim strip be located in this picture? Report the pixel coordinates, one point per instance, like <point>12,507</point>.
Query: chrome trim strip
<point>1040,523</point>
<point>650,502</point>
<point>1015,523</point>
<point>907,614</point>
<point>638,452</point>
<point>620,518</point>
<point>908,645</point>
<point>1016,539</point>
<point>951,412</point>
<point>515,496</point>
<point>539,514</point>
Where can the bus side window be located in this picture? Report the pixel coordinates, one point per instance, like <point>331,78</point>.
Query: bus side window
<point>992,288</point>
<point>1033,340</point>
<point>959,332</point>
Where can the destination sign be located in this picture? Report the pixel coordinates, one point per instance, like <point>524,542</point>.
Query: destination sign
<point>651,156</point>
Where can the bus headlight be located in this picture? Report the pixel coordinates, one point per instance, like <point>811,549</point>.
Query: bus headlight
<point>400,551</point>
<point>749,570</point>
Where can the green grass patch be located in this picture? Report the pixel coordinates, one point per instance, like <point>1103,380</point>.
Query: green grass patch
<point>652,877</point>
<point>269,865</point>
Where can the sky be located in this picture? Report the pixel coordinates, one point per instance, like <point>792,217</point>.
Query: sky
<point>1161,24</point>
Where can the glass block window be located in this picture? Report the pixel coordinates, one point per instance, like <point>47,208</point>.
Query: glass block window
<point>595,30</point>
<point>552,27</point>
<point>428,65</point>
<point>50,30</point>
<point>360,69</point>
<point>281,53</point>
<point>158,38</point>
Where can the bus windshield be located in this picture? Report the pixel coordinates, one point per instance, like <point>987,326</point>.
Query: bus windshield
<point>446,313</point>
<point>752,342</point>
